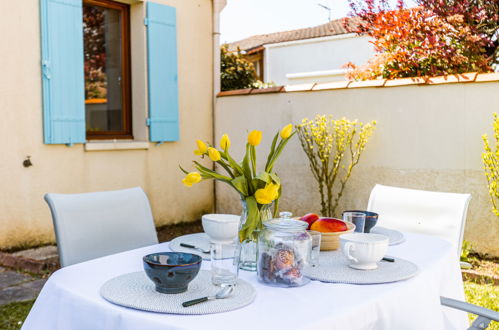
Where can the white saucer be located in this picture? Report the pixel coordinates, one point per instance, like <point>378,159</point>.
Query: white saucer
<point>394,236</point>
<point>200,240</point>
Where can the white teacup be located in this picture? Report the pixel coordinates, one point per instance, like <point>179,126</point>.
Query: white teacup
<point>364,250</point>
<point>221,228</point>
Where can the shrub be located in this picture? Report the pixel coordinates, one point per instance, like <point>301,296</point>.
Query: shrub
<point>490,158</point>
<point>326,142</point>
<point>417,42</point>
<point>236,71</point>
<point>482,17</point>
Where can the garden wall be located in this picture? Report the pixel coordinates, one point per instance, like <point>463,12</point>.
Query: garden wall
<point>428,137</point>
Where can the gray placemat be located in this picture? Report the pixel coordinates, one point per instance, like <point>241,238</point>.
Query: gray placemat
<point>333,267</point>
<point>199,239</point>
<point>394,236</point>
<point>135,290</point>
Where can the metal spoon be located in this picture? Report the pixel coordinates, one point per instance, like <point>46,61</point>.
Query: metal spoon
<point>194,247</point>
<point>222,294</point>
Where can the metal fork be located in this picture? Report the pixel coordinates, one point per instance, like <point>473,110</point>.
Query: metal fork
<point>194,247</point>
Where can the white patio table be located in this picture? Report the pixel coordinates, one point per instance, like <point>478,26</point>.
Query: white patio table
<point>70,299</point>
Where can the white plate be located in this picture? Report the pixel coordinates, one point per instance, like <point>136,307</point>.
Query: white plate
<point>200,240</point>
<point>394,236</point>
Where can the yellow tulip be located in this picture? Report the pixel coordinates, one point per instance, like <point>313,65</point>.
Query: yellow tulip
<point>255,137</point>
<point>225,142</point>
<point>202,148</point>
<point>268,194</point>
<point>286,131</point>
<point>191,178</point>
<point>262,197</point>
<point>273,190</point>
<point>214,154</point>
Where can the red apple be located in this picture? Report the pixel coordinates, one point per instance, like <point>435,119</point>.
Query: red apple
<point>328,225</point>
<point>310,218</point>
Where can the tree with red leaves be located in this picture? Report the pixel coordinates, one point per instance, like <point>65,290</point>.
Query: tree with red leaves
<point>481,16</point>
<point>418,42</point>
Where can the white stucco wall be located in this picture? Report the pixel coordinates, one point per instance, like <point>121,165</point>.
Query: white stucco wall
<point>24,216</point>
<point>427,137</point>
<point>311,55</point>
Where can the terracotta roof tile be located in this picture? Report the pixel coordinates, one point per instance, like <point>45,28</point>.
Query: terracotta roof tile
<point>329,29</point>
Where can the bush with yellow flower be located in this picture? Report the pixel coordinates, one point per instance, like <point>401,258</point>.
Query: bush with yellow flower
<point>333,147</point>
<point>490,159</point>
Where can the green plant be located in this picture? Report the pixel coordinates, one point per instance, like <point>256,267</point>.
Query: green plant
<point>261,84</point>
<point>484,295</point>
<point>235,72</point>
<point>326,141</point>
<point>465,251</point>
<point>490,158</point>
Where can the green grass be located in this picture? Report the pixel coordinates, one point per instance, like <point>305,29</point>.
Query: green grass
<point>13,315</point>
<point>484,295</point>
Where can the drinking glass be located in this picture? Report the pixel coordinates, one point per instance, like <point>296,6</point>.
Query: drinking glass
<point>316,247</point>
<point>358,219</point>
<point>371,219</point>
<point>224,263</point>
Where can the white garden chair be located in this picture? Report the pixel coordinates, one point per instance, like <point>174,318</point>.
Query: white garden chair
<point>438,214</point>
<point>97,224</point>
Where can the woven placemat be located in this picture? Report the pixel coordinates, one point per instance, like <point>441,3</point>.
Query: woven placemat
<point>333,267</point>
<point>135,290</point>
<point>394,236</point>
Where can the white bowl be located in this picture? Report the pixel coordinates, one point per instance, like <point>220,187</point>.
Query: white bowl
<point>221,228</point>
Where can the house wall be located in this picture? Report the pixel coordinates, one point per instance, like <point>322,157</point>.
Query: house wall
<point>24,216</point>
<point>313,55</point>
<point>427,137</point>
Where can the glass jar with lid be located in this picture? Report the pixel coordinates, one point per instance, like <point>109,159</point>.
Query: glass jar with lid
<point>284,248</point>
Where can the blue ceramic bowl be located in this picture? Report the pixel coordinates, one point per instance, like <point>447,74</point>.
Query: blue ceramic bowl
<point>371,219</point>
<point>171,272</point>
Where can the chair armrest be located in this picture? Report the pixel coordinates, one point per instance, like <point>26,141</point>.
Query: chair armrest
<point>464,306</point>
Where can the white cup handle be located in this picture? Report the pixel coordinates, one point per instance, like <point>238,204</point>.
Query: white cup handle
<point>346,250</point>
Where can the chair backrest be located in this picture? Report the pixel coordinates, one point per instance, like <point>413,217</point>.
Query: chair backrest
<point>439,214</point>
<point>97,224</point>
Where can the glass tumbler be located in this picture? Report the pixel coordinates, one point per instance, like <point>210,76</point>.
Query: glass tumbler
<point>224,263</point>
<point>358,219</point>
<point>316,247</point>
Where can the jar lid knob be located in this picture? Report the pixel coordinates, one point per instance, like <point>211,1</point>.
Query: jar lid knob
<point>285,215</point>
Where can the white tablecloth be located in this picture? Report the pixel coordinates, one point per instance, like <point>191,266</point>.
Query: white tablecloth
<point>70,299</point>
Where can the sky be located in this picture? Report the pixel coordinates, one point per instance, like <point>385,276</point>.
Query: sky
<point>243,18</point>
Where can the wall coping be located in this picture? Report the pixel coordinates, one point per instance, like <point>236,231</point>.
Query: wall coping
<point>378,83</point>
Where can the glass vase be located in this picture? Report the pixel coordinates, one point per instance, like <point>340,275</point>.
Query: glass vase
<point>248,247</point>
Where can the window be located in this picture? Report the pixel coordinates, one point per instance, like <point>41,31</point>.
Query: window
<point>106,35</point>
<point>85,71</point>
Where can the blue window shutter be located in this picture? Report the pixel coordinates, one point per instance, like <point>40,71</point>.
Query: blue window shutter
<point>162,73</point>
<point>62,71</point>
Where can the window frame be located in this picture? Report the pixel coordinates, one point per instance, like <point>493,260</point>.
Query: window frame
<point>126,90</point>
